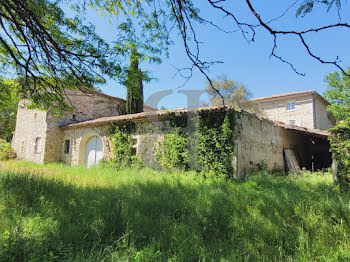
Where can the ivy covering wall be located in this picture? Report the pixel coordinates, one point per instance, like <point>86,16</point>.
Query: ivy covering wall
<point>123,151</point>
<point>208,147</point>
<point>203,142</point>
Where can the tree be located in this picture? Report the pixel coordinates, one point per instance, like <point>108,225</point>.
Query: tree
<point>230,93</point>
<point>8,108</point>
<point>308,5</point>
<point>338,94</point>
<point>134,86</point>
<point>163,16</point>
<point>49,51</point>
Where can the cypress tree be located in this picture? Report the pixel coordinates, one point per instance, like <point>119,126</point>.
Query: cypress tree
<point>134,86</point>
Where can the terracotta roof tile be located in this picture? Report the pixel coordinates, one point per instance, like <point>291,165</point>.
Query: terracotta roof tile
<point>287,95</point>
<point>87,91</point>
<point>155,115</point>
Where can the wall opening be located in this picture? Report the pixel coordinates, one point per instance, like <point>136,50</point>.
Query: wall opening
<point>90,150</point>
<point>312,152</point>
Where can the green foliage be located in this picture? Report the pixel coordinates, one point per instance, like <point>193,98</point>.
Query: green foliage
<point>48,51</point>
<point>340,148</point>
<point>209,149</point>
<point>60,213</point>
<point>308,5</point>
<point>234,94</point>
<point>9,99</point>
<point>172,150</point>
<point>214,143</point>
<point>124,154</point>
<point>176,119</point>
<point>6,152</point>
<point>134,86</point>
<point>338,94</point>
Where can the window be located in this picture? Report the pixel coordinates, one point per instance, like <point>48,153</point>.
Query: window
<point>37,145</point>
<point>22,147</point>
<point>35,116</point>
<point>290,106</point>
<point>66,146</point>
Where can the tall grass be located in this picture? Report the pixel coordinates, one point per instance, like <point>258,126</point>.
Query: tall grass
<point>60,213</point>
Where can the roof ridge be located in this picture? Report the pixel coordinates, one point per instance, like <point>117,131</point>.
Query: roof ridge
<point>285,95</point>
<point>82,89</point>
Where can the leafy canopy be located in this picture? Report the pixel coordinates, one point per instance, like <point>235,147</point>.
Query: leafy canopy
<point>8,108</point>
<point>232,93</point>
<point>338,94</point>
<point>48,51</point>
<point>307,6</point>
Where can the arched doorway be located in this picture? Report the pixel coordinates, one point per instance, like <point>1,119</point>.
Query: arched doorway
<point>93,151</point>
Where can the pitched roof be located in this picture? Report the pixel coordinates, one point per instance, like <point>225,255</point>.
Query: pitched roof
<point>139,117</point>
<point>144,116</point>
<point>305,130</point>
<point>89,91</point>
<point>291,95</point>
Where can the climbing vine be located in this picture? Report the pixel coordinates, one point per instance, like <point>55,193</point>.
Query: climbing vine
<point>209,149</point>
<point>175,119</point>
<point>340,148</point>
<point>214,142</point>
<point>172,150</point>
<point>124,154</point>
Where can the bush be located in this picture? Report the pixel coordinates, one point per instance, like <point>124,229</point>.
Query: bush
<point>172,151</point>
<point>124,154</point>
<point>215,147</point>
<point>6,152</point>
<point>340,148</point>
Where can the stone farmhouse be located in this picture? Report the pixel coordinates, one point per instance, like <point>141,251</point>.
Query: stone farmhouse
<point>82,137</point>
<point>307,109</point>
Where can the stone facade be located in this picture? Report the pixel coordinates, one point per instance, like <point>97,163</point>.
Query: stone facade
<point>38,136</point>
<point>259,142</point>
<point>307,109</point>
<point>30,125</point>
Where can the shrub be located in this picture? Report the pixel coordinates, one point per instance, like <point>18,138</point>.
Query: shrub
<point>124,154</point>
<point>6,152</point>
<point>340,148</point>
<point>210,148</point>
<point>216,147</point>
<point>172,151</point>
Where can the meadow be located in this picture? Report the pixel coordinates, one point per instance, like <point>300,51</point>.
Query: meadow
<point>60,213</point>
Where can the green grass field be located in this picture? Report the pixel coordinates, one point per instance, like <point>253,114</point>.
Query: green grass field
<point>60,213</point>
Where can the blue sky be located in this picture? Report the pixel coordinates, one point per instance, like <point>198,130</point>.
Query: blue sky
<point>244,62</point>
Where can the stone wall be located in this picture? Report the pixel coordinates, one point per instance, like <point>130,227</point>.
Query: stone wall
<point>259,143</point>
<point>78,139</point>
<point>322,120</point>
<point>87,106</point>
<point>146,134</point>
<point>302,115</point>
<point>30,125</point>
